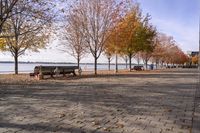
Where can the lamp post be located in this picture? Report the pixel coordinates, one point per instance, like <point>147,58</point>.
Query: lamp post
<point>198,84</point>
<point>198,87</point>
<point>199,61</point>
<point>199,51</point>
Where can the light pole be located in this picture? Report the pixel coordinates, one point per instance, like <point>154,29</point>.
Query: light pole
<point>199,51</point>
<point>198,86</point>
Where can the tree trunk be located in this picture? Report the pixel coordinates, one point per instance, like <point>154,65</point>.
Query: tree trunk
<point>156,65</point>
<point>130,62</point>
<point>146,64</point>
<point>109,63</point>
<point>78,62</point>
<point>162,64</point>
<point>157,62</point>
<point>126,62</point>
<point>116,63</point>
<point>138,61</point>
<point>16,63</point>
<point>95,65</point>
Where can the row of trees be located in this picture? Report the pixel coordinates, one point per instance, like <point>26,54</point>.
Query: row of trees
<point>117,29</point>
<point>166,51</point>
<point>113,28</point>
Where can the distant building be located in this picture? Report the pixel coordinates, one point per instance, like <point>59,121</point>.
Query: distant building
<point>193,53</point>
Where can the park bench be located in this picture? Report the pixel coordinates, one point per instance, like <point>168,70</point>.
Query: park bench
<point>41,71</point>
<point>138,68</point>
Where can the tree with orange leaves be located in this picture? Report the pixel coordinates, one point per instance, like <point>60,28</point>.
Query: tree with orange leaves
<point>195,59</point>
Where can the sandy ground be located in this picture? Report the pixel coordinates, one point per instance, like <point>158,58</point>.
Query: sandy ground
<point>128,102</point>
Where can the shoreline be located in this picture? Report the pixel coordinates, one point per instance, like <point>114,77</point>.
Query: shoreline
<point>88,71</point>
<point>24,78</point>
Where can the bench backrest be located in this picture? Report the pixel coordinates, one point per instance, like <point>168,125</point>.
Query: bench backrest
<point>50,69</point>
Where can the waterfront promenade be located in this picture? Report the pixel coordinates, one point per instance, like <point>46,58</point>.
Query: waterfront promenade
<point>136,102</point>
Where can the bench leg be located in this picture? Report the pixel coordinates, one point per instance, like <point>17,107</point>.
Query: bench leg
<point>74,74</point>
<point>40,76</point>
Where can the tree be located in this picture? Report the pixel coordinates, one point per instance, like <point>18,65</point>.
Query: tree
<point>112,46</point>
<point>167,51</point>
<point>136,33</point>
<point>109,51</point>
<point>126,60</point>
<point>115,40</point>
<point>128,32</point>
<point>74,36</point>
<point>109,57</point>
<point>146,40</point>
<point>179,57</point>
<point>182,58</point>
<point>138,57</point>
<point>170,52</point>
<point>158,52</point>
<point>22,30</point>
<point>146,57</point>
<point>163,49</point>
<point>6,7</point>
<point>2,43</point>
<point>97,17</point>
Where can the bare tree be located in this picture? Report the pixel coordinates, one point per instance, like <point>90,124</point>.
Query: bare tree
<point>74,38</point>
<point>97,17</point>
<point>158,52</point>
<point>6,7</point>
<point>168,43</point>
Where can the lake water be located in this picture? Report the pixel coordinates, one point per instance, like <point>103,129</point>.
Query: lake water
<point>28,67</point>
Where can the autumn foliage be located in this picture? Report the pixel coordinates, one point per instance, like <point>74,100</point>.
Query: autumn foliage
<point>134,36</point>
<point>110,27</point>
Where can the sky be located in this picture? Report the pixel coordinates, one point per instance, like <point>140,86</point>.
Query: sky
<point>177,18</point>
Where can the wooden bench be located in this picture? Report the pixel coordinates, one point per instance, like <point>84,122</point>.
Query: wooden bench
<point>138,68</point>
<point>41,71</point>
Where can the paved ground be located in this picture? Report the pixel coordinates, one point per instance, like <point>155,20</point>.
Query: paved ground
<point>132,103</point>
<point>196,115</point>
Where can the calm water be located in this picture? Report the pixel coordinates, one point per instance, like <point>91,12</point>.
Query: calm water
<point>27,68</point>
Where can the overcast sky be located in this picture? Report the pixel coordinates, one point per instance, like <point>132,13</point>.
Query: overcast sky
<point>178,18</point>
